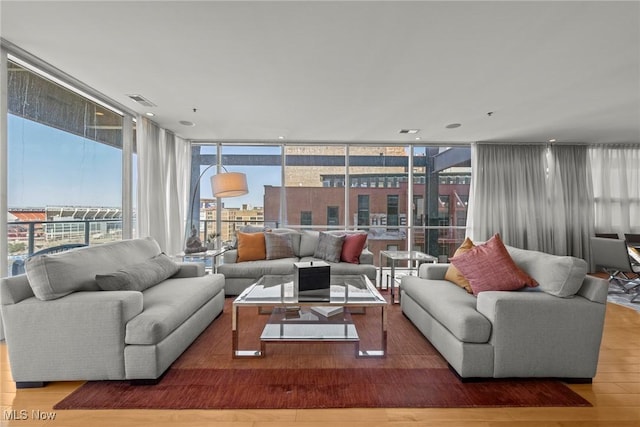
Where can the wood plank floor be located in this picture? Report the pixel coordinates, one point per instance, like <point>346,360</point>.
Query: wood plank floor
<point>615,394</point>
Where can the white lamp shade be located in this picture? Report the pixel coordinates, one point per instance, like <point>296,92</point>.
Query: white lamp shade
<point>229,184</point>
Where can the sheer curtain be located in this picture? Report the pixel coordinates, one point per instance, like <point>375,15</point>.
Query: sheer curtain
<point>536,197</point>
<point>616,187</point>
<point>164,167</point>
<point>508,194</point>
<point>570,200</point>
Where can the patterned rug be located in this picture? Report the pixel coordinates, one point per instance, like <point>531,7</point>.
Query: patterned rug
<point>316,375</point>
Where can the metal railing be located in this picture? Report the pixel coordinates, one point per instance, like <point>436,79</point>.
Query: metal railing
<point>24,238</point>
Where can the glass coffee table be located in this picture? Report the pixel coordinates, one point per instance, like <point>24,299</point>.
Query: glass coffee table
<point>322,321</point>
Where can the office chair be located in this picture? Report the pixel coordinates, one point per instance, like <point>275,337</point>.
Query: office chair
<point>612,256</point>
<point>633,240</point>
<point>607,235</point>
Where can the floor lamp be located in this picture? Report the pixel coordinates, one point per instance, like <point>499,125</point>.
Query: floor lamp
<point>224,184</point>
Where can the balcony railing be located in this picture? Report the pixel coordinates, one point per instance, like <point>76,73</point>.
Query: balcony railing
<point>24,238</point>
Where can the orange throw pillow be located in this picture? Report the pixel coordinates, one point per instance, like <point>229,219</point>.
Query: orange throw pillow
<point>251,246</point>
<point>453,274</point>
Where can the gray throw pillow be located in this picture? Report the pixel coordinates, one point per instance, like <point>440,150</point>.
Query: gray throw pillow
<point>308,243</point>
<point>140,276</point>
<point>278,245</point>
<point>329,247</point>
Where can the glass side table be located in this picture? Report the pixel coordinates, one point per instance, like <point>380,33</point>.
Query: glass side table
<point>413,258</point>
<point>204,257</point>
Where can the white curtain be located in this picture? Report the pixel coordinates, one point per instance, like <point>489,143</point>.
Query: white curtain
<point>570,200</point>
<point>164,168</point>
<point>536,197</point>
<point>616,187</point>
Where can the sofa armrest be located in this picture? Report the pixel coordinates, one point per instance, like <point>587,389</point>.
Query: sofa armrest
<point>76,337</point>
<point>433,271</point>
<point>594,289</point>
<point>15,289</point>
<point>230,256</point>
<point>366,257</point>
<point>190,269</point>
<point>536,334</point>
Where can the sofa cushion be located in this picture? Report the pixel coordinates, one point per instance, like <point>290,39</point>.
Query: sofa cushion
<point>140,276</point>
<point>352,247</point>
<point>257,269</point>
<point>53,276</point>
<point>450,305</point>
<point>329,247</point>
<point>251,246</point>
<point>453,274</point>
<point>278,245</point>
<point>308,243</point>
<point>168,305</point>
<point>561,276</point>
<point>489,267</point>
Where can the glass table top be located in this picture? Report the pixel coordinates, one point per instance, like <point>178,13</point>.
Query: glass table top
<point>408,255</point>
<point>279,290</point>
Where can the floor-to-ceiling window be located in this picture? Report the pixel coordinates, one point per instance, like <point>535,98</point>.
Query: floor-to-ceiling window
<point>65,157</point>
<point>320,192</point>
<point>441,181</point>
<point>259,208</point>
<point>314,186</point>
<point>378,194</point>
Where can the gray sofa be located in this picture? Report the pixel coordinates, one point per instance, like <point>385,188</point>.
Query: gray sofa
<point>553,330</point>
<point>60,325</point>
<point>240,275</point>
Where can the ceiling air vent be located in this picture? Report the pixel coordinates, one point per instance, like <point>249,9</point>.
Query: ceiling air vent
<point>411,131</point>
<point>142,100</point>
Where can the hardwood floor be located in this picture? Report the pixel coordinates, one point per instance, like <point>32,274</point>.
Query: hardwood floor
<point>615,395</point>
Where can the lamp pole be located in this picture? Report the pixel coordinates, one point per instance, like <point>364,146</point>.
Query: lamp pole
<point>193,220</point>
<point>218,200</point>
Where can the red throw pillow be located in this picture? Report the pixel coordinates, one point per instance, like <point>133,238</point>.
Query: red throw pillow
<point>489,267</point>
<point>352,247</point>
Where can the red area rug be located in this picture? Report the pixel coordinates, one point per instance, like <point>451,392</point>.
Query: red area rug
<point>305,376</point>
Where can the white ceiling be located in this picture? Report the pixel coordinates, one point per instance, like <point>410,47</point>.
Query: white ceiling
<point>353,71</point>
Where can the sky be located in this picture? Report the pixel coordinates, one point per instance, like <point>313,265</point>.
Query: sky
<point>50,167</point>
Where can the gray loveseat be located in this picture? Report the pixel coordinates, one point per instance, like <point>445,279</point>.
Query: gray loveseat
<point>240,275</point>
<point>553,330</point>
<point>60,325</point>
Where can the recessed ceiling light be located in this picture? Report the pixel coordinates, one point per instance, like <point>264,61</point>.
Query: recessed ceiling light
<point>281,137</point>
<point>453,125</point>
<point>187,123</point>
<point>418,138</point>
<point>150,114</point>
<point>99,113</point>
<point>411,131</point>
<point>552,140</point>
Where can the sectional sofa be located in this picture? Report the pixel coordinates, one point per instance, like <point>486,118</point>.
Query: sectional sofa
<point>117,311</point>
